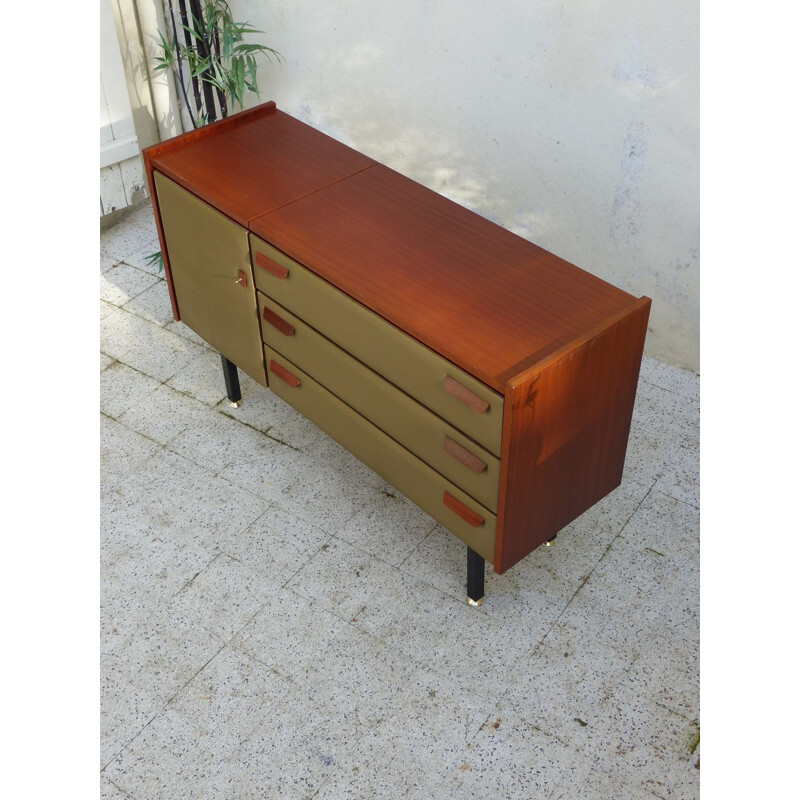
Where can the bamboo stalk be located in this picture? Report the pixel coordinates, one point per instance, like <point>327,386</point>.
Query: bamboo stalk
<point>203,51</point>
<point>180,65</point>
<point>188,37</point>
<point>223,103</point>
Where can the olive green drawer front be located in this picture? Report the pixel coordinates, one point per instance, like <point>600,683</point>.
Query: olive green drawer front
<point>209,259</point>
<point>409,474</point>
<point>394,354</point>
<point>393,411</point>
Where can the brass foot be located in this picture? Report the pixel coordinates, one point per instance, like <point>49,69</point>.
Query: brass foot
<point>550,542</point>
<point>474,602</point>
<point>235,403</point>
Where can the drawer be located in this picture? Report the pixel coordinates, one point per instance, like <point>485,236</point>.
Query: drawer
<point>433,493</point>
<point>433,439</point>
<point>447,390</point>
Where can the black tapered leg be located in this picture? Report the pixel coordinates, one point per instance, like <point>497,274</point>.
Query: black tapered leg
<point>231,382</point>
<point>475,565</point>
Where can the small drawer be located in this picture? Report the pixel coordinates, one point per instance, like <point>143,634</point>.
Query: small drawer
<point>464,401</point>
<point>435,441</point>
<point>434,494</point>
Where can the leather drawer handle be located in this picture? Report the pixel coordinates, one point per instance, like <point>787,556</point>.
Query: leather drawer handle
<point>467,397</point>
<point>277,322</point>
<point>270,266</point>
<point>463,456</point>
<point>284,374</point>
<point>465,512</point>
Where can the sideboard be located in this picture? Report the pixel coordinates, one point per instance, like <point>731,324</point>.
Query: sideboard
<point>488,380</point>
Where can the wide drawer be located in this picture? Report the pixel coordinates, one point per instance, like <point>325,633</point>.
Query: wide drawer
<point>433,493</point>
<point>464,401</point>
<point>433,439</point>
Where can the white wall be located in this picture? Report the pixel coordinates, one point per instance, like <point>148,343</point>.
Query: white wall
<point>574,125</point>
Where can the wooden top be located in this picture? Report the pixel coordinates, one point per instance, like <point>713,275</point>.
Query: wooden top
<point>255,161</point>
<point>489,301</point>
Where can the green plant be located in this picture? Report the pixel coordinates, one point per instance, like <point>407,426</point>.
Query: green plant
<point>214,59</point>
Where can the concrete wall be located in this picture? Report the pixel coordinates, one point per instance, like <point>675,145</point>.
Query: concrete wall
<point>574,125</point>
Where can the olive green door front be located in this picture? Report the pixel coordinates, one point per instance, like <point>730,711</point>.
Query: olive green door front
<point>209,258</point>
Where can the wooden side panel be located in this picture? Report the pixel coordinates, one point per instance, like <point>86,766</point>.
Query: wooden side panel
<point>565,433</point>
<point>162,242</point>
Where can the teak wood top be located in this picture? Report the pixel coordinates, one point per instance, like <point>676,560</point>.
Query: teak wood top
<point>488,300</point>
<point>255,161</point>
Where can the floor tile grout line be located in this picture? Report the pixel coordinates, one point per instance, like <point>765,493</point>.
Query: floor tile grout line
<point>597,563</point>
<point>133,296</point>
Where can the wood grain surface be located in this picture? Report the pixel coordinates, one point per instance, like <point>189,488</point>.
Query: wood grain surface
<point>565,432</point>
<point>255,161</point>
<point>486,299</point>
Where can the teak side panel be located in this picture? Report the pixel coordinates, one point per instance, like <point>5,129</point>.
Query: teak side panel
<point>565,433</point>
<point>254,162</point>
<point>486,299</point>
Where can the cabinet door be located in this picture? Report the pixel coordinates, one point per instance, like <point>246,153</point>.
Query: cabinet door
<point>209,257</point>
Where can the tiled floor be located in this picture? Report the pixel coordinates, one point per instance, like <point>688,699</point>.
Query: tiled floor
<point>278,623</point>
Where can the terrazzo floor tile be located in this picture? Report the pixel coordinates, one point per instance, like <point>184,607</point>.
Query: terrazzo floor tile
<point>225,595</point>
<point>110,791</point>
<point>668,526</point>
<point>141,258</point>
<point>341,578</point>
<point>142,563</point>
<point>668,673</point>
<point>268,470</point>
<point>326,450</point>
<point>152,304</point>
<point>595,784</point>
<point>121,451</point>
<point>121,283</point>
<point>415,753</point>
<point>127,705</point>
<point>360,678</point>
<point>201,378</point>
<point>105,362</point>
<point>165,650</point>
<point>288,426</point>
<point>231,697</point>
<point>106,309</point>
<point>130,235</point>
<point>277,544</point>
<point>169,759</point>
<point>211,508</point>
<point>562,691</point>
<point>180,329</point>
<point>144,346</point>
<point>667,376</point>
<point>320,494</point>
<point>289,634</point>
<point>166,414</point>
<point>510,758</point>
<point>292,754</point>
<point>219,443</point>
<point>122,387</point>
<point>257,408</point>
<point>649,746</point>
<point>387,527</point>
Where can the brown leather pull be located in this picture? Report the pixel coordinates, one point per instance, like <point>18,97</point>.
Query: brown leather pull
<point>270,266</point>
<point>278,322</point>
<point>467,397</point>
<point>241,279</point>
<point>284,374</point>
<point>462,455</point>
<point>465,512</point>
